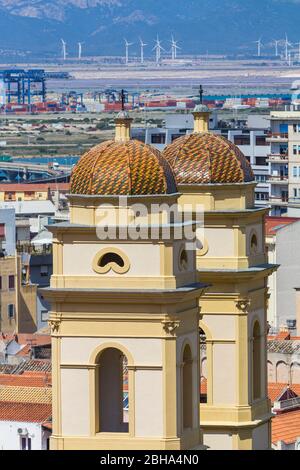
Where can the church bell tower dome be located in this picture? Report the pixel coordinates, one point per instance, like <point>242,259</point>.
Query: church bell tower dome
<point>206,158</point>
<point>123,167</point>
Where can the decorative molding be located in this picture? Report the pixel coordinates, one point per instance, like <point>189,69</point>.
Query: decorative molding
<point>267,298</point>
<point>170,326</point>
<point>243,305</point>
<point>54,325</point>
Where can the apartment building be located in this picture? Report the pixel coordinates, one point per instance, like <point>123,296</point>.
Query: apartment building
<point>254,145</point>
<point>54,192</point>
<point>284,163</point>
<point>18,297</point>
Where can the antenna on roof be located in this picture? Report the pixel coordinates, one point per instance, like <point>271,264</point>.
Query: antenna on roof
<point>123,99</point>
<point>201,92</point>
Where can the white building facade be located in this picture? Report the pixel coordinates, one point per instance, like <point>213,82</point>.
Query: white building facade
<point>19,435</point>
<point>284,163</point>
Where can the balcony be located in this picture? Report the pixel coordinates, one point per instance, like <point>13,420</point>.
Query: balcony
<point>278,158</point>
<point>290,403</point>
<point>274,179</point>
<point>278,201</point>
<point>277,137</point>
<point>294,201</point>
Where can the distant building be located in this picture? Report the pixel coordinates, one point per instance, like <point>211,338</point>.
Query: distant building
<point>32,192</point>
<point>30,209</point>
<point>286,423</point>
<point>17,297</point>
<point>282,240</point>
<point>25,411</point>
<point>284,358</point>
<point>253,143</point>
<point>176,125</point>
<point>17,348</point>
<point>41,267</point>
<point>284,163</point>
<point>8,238</point>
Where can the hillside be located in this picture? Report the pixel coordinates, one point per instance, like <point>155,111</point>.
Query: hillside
<point>200,25</point>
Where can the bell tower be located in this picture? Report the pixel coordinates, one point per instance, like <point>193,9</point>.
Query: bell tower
<point>215,178</point>
<point>125,309</point>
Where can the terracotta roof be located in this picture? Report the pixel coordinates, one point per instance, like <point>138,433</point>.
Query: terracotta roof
<point>283,335</point>
<point>284,346</point>
<point>24,351</point>
<point>130,168</point>
<point>24,380</point>
<point>207,158</point>
<point>31,187</point>
<point>6,368</point>
<point>203,386</point>
<point>276,389</point>
<point>25,412</point>
<point>27,338</point>
<point>273,224</point>
<point>35,365</point>
<point>286,427</point>
<point>26,394</point>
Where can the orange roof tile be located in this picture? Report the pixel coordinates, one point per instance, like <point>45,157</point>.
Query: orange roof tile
<point>27,338</point>
<point>205,158</point>
<point>26,412</point>
<point>203,386</point>
<point>25,394</point>
<point>275,389</point>
<point>25,380</point>
<point>276,223</point>
<point>286,427</point>
<point>128,168</point>
<point>283,335</point>
<point>31,187</point>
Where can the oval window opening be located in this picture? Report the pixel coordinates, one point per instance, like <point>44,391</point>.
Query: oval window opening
<point>111,258</point>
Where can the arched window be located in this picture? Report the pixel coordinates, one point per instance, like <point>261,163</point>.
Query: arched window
<point>112,393</point>
<point>187,388</point>
<point>295,373</point>
<point>271,377</point>
<point>256,361</point>
<point>203,366</point>
<point>282,372</point>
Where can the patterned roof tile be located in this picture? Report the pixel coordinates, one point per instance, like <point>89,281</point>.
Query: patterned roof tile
<point>25,394</point>
<point>204,158</point>
<point>25,412</point>
<point>130,168</point>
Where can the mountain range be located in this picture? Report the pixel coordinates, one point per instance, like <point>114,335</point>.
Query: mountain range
<point>216,26</point>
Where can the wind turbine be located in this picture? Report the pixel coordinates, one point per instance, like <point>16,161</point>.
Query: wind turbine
<point>259,46</point>
<point>80,50</point>
<point>64,49</point>
<point>174,48</point>
<point>127,45</point>
<point>158,48</point>
<point>143,44</point>
<point>276,43</point>
<point>287,45</point>
<point>298,44</point>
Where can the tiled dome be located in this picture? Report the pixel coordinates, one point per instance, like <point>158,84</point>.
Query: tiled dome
<point>129,168</point>
<point>203,158</point>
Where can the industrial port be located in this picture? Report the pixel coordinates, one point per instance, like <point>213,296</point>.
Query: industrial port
<point>53,113</point>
